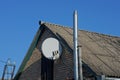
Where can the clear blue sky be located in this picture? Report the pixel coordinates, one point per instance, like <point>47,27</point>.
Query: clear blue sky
<point>19,21</point>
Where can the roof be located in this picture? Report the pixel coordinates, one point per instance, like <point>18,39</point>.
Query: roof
<point>99,51</point>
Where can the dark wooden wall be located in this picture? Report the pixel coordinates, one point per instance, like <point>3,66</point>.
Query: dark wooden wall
<point>44,69</point>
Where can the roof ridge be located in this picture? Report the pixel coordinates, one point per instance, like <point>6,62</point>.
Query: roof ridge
<point>58,25</point>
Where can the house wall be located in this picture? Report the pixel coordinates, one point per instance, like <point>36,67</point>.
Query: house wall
<point>32,68</point>
<point>62,67</point>
<point>33,72</point>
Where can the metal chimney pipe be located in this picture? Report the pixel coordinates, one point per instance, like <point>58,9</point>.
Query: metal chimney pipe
<point>75,36</point>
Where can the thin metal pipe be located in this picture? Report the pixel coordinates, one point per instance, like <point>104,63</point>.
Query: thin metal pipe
<point>75,36</point>
<point>80,63</point>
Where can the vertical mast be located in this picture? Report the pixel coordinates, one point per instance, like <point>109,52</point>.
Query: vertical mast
<point>75,51</point>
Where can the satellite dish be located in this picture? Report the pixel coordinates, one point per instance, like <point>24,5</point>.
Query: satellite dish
<point>51,48</point>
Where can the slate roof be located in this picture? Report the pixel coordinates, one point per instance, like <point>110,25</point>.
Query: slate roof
<point>99,51</point>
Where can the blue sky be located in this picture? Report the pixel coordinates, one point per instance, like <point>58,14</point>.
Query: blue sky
<point>19,21</point>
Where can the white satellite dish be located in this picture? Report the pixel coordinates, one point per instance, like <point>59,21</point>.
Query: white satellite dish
<point>51,48</point>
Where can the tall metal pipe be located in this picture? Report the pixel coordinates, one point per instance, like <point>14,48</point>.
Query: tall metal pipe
<point>75,52</point>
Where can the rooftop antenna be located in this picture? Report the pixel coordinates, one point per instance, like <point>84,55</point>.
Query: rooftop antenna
<point>76,50</point>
